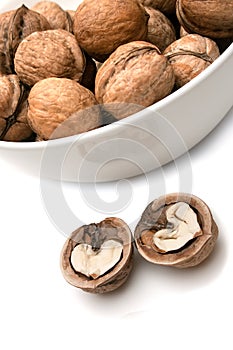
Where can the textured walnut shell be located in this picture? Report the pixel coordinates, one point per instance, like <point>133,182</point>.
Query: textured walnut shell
<point>13,110</point>
<point>14,27</point>
<point>55,15</point>
<point>52,53</point>
<point>101,26</point>
<point>111,228</point>
<point>189,56</point>
<point>136,73</point>
<point>60,107</point>
<point>212,18</point>
<point>160,29</point>
<point>5,59</point>
<point>191,254</point>
<point>165,6</point>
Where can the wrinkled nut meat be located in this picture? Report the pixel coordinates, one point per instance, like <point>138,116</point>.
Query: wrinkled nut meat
<point>189,56</point>
<point>101,26</point>
<point>161,32</point>
<point>136,73</point>
<point>51,53</point>
<point>14,27</point>
<point>176,230</point>
<point>212,18</point>
<point>55,15</point>
<point>13,110</point>
<point>60,107</point>
<point>98,257</point>
<point>165,6</point>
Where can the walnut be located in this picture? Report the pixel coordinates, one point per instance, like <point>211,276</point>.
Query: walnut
<point>13,110</point>
<point>14,27</point>
<point>160,29</point>
<point>100,27</point>
<point>212,18</point>
<point>166,6</point>
<point>98,257</point>
<point>52,53</point>
<point>60,107</point>
<point>71,14</point>
<point>176,230</point>
<point>55,15</point>
<point>136,73</point>
<point>189,56</point>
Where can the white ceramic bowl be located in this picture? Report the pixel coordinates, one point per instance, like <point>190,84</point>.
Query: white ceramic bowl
<point>139,143</point>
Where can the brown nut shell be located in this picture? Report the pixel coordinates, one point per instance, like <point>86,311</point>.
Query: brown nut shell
<point>192,253</point>
<point>55,15</point>
<point>166,6</point>
<point>110,228</point>
<point>136,73</point>
<point>189,56</point>
<point>100,27</point>
<point>13,110</point>
<point>60,107</point>
<point>160,29</point>
<point>212,18</point>
<point>51,53</point>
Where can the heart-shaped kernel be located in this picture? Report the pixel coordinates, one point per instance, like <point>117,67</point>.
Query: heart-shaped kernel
<point>95,263</point>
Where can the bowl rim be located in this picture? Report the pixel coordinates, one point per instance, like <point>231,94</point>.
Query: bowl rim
<point>130,120</point>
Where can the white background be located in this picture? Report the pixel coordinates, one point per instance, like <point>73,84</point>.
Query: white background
<point>158,307</point>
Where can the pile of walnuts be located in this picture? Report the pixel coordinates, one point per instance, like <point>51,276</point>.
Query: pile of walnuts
<point>68,72</point>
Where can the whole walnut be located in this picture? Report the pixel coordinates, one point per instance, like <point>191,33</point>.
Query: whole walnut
<point>136,73</point>
<point>212,18</point>
<point>189,56</point>
<point>51,53</point>
<point>14,27</point>
<point>160,29</point>
<point>13,110</point>
<point>101,26</point>
<point>55,15</point>
<point>60,107</point>
<point>166,6</point>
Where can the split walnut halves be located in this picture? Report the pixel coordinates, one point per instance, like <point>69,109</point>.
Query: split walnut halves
<point>175,230</point>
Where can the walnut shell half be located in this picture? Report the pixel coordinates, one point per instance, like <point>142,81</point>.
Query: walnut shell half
<point>212,18</point>
<point>155,223</point>
<point>104,271</point>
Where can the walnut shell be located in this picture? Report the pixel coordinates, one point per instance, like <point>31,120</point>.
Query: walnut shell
<point>5,59</point>
<point>166,6</point>
<point>14,27</point>
<point>212,18</point>
<point>60,107</point>
<point>55,15</point>
<point>161,32</point>
<point>136,73</point>
<point>13,110</point>
<point>153,219</point>
<point>110,228</point>
<point>51,53</point>
<point>100,27</point>
<point>189,56</point>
